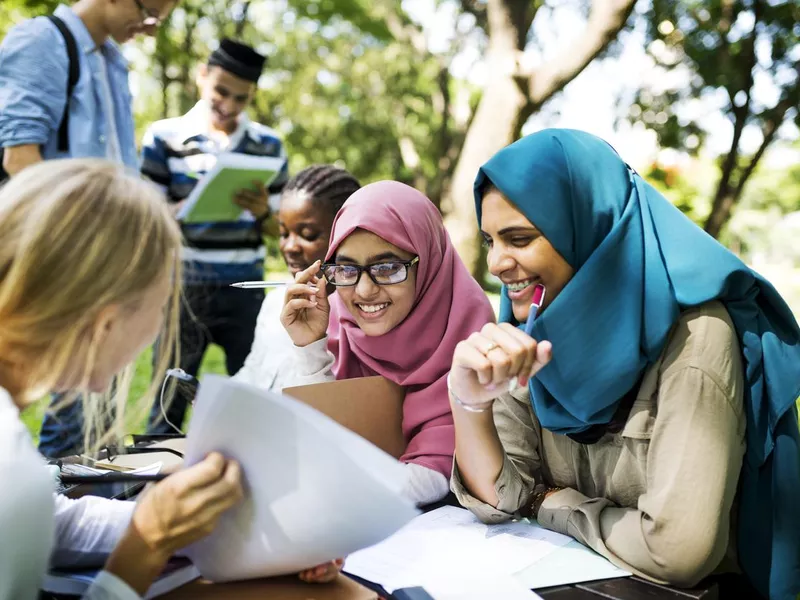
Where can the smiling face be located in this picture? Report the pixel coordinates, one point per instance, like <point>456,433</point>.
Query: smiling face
<point>125,19</point>
<point>520,255</point>
<point>377,309</point>
<point>305,229</point>
<point>226,95</point>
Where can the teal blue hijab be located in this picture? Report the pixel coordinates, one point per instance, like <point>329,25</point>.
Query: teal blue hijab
<point>638,262</point>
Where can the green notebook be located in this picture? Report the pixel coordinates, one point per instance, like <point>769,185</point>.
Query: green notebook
<point>211,201</point>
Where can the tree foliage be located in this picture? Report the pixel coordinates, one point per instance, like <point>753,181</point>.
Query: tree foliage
<point>359,83</point>
<point>743,55</point>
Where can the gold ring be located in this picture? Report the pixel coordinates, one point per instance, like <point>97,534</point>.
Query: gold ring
<point>491,347</point>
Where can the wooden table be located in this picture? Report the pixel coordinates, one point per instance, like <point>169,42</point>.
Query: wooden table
<point>625,588</point>
<point>628,588</point>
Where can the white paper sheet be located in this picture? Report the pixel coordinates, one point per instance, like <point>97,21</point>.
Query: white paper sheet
<point>450,543</point>
<point>570,564</point>
<point>152,469</point>
<point>76,469</point>
<point>315,491</point>
<point>481,588</point>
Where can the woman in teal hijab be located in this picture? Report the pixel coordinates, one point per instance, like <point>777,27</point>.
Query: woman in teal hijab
<point>658,424</point>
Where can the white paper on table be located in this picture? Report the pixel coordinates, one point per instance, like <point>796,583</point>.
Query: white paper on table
<point>315,490</point>
<point>152,469</point>
<point>75,469</point>
<point>450,543</point>
<point>481,588</point>
<point>570,564</point>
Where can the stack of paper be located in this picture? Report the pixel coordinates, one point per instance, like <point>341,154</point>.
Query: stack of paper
<point>315,491</point>
<point>83,470</point>
<point>169,460</point>
<point>450,545</point>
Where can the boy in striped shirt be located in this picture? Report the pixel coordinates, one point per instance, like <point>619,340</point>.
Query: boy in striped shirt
<point>176,154</point>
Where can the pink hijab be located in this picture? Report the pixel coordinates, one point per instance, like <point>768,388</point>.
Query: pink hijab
<point>417,354</point>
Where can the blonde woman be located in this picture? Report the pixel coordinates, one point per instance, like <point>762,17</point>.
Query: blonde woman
<point>88,266</point>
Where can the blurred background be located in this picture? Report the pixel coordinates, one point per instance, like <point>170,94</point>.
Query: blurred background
<point>700,97</point>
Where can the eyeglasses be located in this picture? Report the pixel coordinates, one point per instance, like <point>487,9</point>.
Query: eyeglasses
<point>385,273</point>
<point>150,18</point>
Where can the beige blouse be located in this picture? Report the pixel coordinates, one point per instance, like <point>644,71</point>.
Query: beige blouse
<point>656,498</point>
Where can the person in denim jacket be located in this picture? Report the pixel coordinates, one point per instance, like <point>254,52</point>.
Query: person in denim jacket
<point>34,69</point>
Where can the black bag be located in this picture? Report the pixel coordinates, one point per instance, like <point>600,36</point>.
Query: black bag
<point>74,75</point>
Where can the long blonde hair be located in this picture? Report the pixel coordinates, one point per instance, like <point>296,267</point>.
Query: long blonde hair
<point>79,235</point>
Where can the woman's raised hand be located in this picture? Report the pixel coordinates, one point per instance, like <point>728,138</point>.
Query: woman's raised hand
<point>488,360</point>
<point>306,310</point>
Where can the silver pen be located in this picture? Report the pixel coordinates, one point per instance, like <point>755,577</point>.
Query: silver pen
<point>250,285</point>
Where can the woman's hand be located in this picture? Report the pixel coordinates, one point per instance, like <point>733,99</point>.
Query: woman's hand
<point>323,573</point>
<point>306,310</point>
<point>185,507</point>
<point>484,363</point>
<point>172,514</point>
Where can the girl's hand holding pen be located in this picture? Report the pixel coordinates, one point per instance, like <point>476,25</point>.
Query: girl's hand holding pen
<point>306,310</point>
<point>499,354</point>
<point>484,363</point>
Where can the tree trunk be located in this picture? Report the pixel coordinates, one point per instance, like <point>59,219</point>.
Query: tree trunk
<point>493,125</point>
<point>163,64</point>
<point>724,202</point>
<point>241,21</point>
<point>188,94</point>
<point>724,198</point>
<point>727,194</point>
<point>511,96</point>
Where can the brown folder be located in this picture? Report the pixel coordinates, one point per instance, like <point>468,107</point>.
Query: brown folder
<point>274,588</point>
<point>372,407</point>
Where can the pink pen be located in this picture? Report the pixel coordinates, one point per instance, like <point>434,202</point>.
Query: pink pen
<point>536,305</point>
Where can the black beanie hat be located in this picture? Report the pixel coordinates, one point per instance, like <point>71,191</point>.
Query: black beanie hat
<point>238,59</point>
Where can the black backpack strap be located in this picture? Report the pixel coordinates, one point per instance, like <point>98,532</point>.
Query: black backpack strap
<point>74,75</point>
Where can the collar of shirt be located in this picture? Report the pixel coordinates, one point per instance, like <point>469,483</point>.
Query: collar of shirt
<point>196,122</point>
<point>111,50</point>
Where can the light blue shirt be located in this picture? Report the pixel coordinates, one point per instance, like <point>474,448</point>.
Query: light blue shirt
<point>34,69</point>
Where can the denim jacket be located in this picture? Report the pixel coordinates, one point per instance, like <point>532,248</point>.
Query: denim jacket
<point>33,82</point>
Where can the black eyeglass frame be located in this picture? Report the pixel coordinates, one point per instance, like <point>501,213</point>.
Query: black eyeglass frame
<point>366,269</point>
<point>150,18</point>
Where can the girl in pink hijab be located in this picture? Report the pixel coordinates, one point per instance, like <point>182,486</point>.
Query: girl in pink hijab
<point>403,301</point>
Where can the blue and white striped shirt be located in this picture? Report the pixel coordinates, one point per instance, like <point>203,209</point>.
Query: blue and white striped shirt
<point>176,153</point>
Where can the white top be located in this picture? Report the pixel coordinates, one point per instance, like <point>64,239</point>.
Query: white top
<point>40,528</point>
<point>270,362</point>
<point>314,364</point>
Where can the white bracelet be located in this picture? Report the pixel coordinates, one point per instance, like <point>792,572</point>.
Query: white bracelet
<point>468,407</point>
